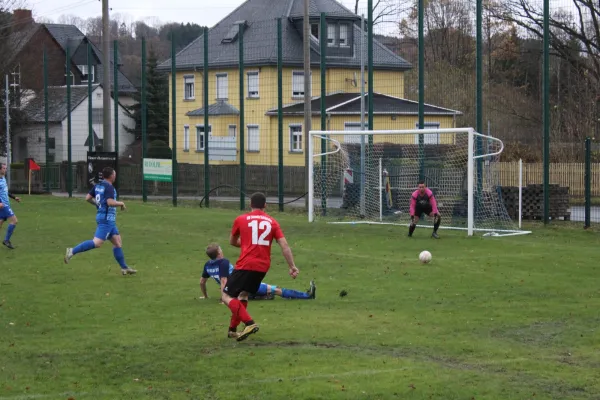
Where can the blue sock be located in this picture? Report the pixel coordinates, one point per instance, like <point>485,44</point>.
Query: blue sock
<point>120,257</point>
<point>9,231</point>
<point>84,246</point>
<point>294,294</point>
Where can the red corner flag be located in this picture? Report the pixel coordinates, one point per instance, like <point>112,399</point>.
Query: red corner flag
<point>33,166</point>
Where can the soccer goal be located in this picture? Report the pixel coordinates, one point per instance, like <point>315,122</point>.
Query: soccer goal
<point>369,177</point>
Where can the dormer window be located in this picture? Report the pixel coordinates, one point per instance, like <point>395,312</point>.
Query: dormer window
<point>331,35</point>
<point>339,36</point>
<point>233,32</point>
<point>343,35</point>
<point>314,31</point>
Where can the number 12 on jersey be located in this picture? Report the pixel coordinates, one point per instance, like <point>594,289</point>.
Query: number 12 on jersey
<point>262,227</point>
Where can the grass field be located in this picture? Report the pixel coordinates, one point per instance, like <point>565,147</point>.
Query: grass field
<point>489,318</point>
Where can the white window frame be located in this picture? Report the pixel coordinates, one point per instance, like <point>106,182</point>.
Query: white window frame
<point>344,38</point>
<point>299,94</point>
<point>15,75</point>
<point>189,87</point>
<point>234,127</point>
<point>225,76</point>
<point>201,132</point>
<point>293,133</point>
<point>352,138</point>
<point>84,71</point>
<point>331,35</point>
<point>253,143</point>
<point>318,25</point>
<point>186,138</point>
<point>255,94</point>
<point>429,138</point>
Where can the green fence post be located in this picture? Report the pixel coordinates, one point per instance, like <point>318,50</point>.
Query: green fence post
<point>479,101</point>
<point>116,104</point>
<point>588,182</point>
<point>323,49</point>
<point>242,147</point>
<point>280,111</point>
<point>206,81</point>
<point>546,107</point>
<point>421,12</point>
<point>144,111</point>
<point>46,126</point>
<point>174,117</point>
<point>90,100</point>
<point>69,136</point>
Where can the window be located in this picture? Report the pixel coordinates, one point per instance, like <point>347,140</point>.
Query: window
<point>188,87</point>
<point>253,85</point>
<point>352,126</point>
<point>200,137</point>
<point>343,35</point>
<point>186,138</point>
<point>51,143</point>
<point>331,34</point>
<point>253,138</point>
<point>298,83</point>
<point>429,138</point>
<point>85,74</point>
<point>222,87</point>
<point>296,138</point>
<point>314,31</point>
<point>232,130</point>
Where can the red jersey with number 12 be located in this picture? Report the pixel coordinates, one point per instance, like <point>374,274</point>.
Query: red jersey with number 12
<point>256,231</point>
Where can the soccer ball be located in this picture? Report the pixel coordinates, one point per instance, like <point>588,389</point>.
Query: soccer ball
<point>425,257</point>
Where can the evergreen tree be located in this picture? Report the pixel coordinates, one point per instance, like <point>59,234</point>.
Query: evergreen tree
<point>157,104</point>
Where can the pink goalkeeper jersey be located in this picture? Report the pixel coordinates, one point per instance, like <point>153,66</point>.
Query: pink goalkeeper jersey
<point>423,200</point>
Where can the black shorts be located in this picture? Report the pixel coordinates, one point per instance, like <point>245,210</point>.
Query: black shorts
<point>243,281</point>
<point>420,210</point>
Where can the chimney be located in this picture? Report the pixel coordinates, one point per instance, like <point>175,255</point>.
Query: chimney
<point>22,18</point>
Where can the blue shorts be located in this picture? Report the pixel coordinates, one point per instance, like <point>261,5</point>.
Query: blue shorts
<point>106,231</point>
<point>6,213</point>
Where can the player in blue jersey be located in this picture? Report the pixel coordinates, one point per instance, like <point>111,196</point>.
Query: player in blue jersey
<point>6,213</point>
<point>219,268</point>
<point>104,197</point>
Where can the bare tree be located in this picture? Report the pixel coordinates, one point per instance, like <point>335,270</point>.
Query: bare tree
<point>384,9</point>
<point>581,25</point>
<point>70,19</point>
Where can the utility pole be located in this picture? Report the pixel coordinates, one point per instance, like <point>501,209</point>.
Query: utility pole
<point>108,141</point>
<point>307,90</point>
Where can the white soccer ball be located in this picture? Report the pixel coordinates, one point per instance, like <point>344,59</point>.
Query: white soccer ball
<point>425,257</point>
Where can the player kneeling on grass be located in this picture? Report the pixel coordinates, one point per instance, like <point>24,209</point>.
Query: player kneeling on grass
<point>104,197</point>
<point>6,213</point>
<point>254,233</point>
<point>422,202</point>
<point>219,268</point>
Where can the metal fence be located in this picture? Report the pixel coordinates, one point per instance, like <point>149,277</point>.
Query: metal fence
<point>229,109</point>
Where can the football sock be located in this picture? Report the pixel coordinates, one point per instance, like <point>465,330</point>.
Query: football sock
<point>411,229</point>
<point>9,232</point>
<point>436,225</point>
<point>119,256</point>
<point>84,246</point>
<point>238,310</point>
<point>293,294</point>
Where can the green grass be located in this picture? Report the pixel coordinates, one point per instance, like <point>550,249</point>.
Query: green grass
<point>489,318</point>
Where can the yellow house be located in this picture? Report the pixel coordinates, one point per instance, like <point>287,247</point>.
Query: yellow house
<point>259,85</point>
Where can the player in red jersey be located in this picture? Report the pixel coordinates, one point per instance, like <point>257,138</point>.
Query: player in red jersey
<point>254,233</point>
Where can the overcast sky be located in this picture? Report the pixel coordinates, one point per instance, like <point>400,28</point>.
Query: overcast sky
<point>202,12</point>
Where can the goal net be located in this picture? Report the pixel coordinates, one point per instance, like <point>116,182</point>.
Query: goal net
<point>369,177</point>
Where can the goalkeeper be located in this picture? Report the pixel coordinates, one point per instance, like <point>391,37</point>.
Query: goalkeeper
<point>422,202</point>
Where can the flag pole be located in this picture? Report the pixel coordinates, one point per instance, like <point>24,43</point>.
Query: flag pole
<point>30,182</point>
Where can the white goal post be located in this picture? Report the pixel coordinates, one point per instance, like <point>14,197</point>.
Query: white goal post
<point>369,176</point>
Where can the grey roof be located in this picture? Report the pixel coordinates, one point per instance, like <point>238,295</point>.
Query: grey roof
<point>349,104</point>
<point>260,40</point>
<point>70,36</point>
<point>57,103</point>
<point>218,108</point>
<point>316,7</point>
